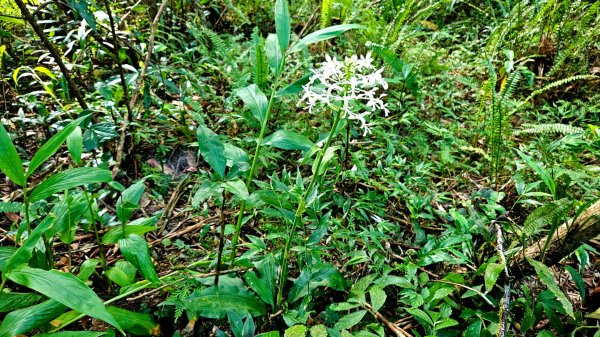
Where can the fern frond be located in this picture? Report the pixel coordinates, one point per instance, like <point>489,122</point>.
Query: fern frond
<point>510,85</point>
<point>554,85</point>
<point>11,207</point>
<point>545,215</point>
<point>261,69</point>
<point>564,129</point>
<point>326,6</point>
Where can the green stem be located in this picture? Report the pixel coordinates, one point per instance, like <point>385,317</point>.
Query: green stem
<point>301,208</point>
<point>263,129</point>
<point>95,229</point>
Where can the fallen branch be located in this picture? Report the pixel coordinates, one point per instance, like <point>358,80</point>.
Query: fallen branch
<point>398,331</point>
<point>567,239</point>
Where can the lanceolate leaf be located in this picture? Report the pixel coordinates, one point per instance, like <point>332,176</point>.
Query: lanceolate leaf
<point>51,146</point>
<point>322,35</point>
<point>129,201</point>
<point>23,254</point>
<point>212,150</point>
<point>13,301</point>
<point>274,55</point>
<point>135,323</point>
<point>135,250</point>
<point>73,334</point>
<point>64,288</point>
<point>282,23</point>
<point>547,278</point>
<point>69,179</point>
<point>24,320</point>
<point>10,162</point>
<point>265,285</point>
<point>214,302</point>
<point>75,145</point>
<point>255,100</point>
<point>288,140</point>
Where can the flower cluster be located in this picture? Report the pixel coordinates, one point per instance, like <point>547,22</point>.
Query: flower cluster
<point>345,85</point>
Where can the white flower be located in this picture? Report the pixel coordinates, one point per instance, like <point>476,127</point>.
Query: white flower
<point>347,85</point>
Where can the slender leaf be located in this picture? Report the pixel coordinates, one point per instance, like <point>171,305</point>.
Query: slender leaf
<point>322,35</point>
<point>492,271</point>
<point>264,285</point>
<point>5,254</point>
<point>282,23</point>
<point>73,334</point>
<point>51,146</point>
<point>10,162</point>
<point>13,301</point>
<point>139,228</point>
<point>212,150</point>
<point>350,320</point>
<point>547,278</point>
<point>129,201</point>
<point>294,88</point>
<point>64,288</point>
<point>69,179</point>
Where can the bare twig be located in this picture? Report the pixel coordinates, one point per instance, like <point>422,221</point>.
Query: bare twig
<point>53,51</point>
<point>398,331</point>
<point>136,90</point>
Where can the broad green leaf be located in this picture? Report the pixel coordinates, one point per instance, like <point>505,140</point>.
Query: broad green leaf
<point>377,296</point>
<point>73,334</point>
<point>87,269</point>
<point>547,278</point>
<point>64,288</point>
<point>295,87</point>
<point>75,145</point>
<point>135,323</point>
<point>237,161</point>
<point>5,254</point>
<point>208,190</point>
<point>282,23</point>
<point>238,188</point>
<point>349,320</point>
<point>255,100</point>
<point>81,8</point>
<point>13,301</point>
<point>322,35</point>
<point>445,323</point>
<point>420,315</point>
<point>214,302</point>
<point>139,228</point>
<point>594,315</point>
<point>269,334</point>
<point>310,278</point>
<point>24,320</point>
<point>274,55</point>
<point>318,331</point>
<point>98,134</point>
<point>135,250</point>
<point>265,285</point>
<point>295,331</point>
<point>473,330</point>
<point>51,146</point>
<point>212,150</point>
<point>492,271</point>
<point>69,179</point>
<point>10,162</point>
<point>129,201</point>
<point>288,140</point>
<point>23,254</point>
<point>123,273</point>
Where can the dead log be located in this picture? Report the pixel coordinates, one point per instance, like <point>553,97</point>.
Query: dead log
<point>567,238</point>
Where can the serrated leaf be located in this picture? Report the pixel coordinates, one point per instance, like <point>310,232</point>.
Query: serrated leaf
<point>545,215</point>
<point>322,35</point>
<point>69,179</point>
<point>547,278</point>
<point>10,162</point>
<point>349,320</point>
<point>64,288</point>
<point>212,150</point>
<point>214,302</point>
<point>378,297</point>
<point>288,140</point>
<point>295,331</point>
<point>255,100</point>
